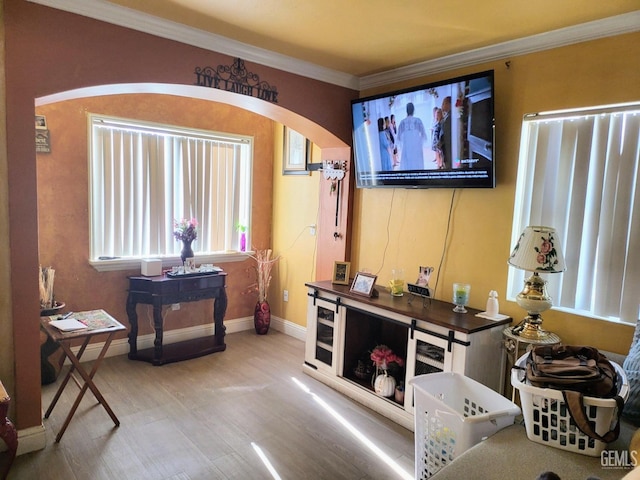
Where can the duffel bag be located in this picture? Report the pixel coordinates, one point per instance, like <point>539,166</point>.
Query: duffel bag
<point>576,371</point>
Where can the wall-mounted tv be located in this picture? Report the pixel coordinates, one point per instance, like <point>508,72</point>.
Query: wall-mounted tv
<point>439,135</point>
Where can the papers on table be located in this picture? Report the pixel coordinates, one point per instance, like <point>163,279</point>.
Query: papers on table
<point>68,325</point>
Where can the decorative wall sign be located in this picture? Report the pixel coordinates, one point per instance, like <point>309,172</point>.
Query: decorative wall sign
<point>43,144</point>
<point>235,78</point>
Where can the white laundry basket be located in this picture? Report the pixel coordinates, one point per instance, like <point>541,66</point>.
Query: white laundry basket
<point>547,418</point>
<point>452,414</point>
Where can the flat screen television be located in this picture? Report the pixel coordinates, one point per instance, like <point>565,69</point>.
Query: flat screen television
<point>438,135</point>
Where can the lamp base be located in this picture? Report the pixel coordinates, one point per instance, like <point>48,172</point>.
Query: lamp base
<point>531,328</point>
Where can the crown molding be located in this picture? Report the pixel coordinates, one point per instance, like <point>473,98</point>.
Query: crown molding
<point>607,27</point>
<point>136,20</point>
<point>133,19</point>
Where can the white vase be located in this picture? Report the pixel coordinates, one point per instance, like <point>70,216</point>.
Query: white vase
<point>384,385</point>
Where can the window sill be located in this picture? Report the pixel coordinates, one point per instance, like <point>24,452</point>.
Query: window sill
<point>167,262</point>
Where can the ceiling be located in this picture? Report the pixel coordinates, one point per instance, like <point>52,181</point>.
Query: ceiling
<point>364,37</point>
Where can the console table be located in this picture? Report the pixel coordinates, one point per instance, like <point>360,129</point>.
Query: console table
<point>7,432</point>
<point>163,290</point>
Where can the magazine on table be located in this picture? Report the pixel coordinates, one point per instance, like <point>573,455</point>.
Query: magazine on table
<point>89,320</point>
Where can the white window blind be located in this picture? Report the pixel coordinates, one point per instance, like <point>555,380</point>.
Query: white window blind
<point>578,172</point>
<point>144,176</point>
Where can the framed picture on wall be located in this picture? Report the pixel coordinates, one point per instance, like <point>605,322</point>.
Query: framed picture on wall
<point>296,153</point>
<point>363,284</point>
<point>341,273</point>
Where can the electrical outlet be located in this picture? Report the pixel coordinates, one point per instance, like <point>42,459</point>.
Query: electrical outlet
<point>312,230</point>
<point>285,295</point>
<point>175,306</point>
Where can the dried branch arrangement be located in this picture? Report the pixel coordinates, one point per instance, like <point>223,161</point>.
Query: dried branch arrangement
<point>265,263</point>
<point>46,277</point>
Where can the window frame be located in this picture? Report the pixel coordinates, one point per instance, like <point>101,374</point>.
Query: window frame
<point>529,170</point>
<point>168,259</point>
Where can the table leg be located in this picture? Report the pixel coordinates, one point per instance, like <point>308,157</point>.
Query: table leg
<point>133,321</point>
<point>158,327</point>
<point>219,310</point>
<point>88,383</point>
<point>8,432</point>
<point>68,376</point>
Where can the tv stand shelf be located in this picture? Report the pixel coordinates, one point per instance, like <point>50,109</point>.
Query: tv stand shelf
<point>343,328</point>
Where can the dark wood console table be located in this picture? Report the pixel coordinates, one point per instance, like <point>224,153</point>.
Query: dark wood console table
<point>8,433</point>
<point>164,290</point>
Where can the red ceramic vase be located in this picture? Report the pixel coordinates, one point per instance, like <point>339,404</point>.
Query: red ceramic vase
<point>262,318</point>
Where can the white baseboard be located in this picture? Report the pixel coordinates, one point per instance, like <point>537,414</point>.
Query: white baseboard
<point>31,439</point>
<point>120,346</point>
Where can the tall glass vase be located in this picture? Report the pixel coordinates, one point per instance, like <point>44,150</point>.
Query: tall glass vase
<point>186,251</point>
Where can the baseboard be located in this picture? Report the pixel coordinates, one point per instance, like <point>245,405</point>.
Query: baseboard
<point>120,346</point>
<point>31,439</point>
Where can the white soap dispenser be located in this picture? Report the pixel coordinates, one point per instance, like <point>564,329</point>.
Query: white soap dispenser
<point>492,304</point>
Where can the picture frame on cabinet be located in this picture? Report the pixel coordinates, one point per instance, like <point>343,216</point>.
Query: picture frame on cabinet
<point>296,153</point>
<point>341,273</point>
<point>363,284</point>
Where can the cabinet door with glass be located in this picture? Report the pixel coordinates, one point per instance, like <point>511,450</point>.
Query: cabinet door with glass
<point>426,354</point>
<point>323,324</point>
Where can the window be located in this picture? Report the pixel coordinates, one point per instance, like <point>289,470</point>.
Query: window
<point>144,176</point>
<point>578,172</point>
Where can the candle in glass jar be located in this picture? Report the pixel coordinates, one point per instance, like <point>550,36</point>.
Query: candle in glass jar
<point>461,293</point>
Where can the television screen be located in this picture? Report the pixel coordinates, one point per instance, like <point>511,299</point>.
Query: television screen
<point>439,135</point>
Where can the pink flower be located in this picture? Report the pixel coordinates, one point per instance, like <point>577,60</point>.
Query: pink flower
<point>545,247</point>
<point>382,356</point>
<point>185,230</point>
<point>541,258</point>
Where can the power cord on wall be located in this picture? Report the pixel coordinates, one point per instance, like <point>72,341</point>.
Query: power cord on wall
<point>444,246</point>
<point>384,252</point>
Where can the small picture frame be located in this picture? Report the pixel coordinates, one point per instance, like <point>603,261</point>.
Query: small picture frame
<point>363,284</point>
<point>341,273</point>
<point>41,122</point>
<point>296,153</point>
<point>190,264</point>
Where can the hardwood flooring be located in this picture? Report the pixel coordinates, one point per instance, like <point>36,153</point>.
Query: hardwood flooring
<point>209,418</point>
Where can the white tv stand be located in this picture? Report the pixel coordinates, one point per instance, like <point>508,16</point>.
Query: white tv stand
<point>343,328</point>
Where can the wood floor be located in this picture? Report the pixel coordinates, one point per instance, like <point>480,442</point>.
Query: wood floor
<point>207,418</point>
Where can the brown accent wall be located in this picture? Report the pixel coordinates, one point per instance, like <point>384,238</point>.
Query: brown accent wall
<point>50,51</point>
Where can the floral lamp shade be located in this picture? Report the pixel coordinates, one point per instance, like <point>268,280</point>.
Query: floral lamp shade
<point>538,250</point>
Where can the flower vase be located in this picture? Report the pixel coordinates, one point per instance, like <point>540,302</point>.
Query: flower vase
<point>384,385</point>
<point>186,251</point>
<point>243,242</point>
<point>262,317</point>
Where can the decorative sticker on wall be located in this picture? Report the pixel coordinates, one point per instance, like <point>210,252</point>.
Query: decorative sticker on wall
<point>237,79</point>
<point>43,144</point>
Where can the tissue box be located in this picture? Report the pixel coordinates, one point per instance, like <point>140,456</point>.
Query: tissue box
<point>151,267</point>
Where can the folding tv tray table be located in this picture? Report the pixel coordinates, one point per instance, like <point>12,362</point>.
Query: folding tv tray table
<point>98,322</point>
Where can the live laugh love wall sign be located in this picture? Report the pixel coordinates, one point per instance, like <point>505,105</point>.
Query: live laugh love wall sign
<point>237,79</point>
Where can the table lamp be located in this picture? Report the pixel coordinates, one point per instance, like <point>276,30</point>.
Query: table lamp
<point>538,251</point>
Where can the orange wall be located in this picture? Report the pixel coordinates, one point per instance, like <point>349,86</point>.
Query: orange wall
<point>598,72</point>
<point>63,190</point>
